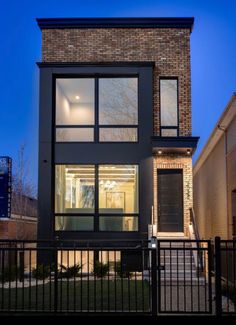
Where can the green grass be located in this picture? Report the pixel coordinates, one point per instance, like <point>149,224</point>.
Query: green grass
<point>100,295</point>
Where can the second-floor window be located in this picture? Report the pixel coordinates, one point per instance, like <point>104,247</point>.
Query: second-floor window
<point>169,107</point>
<point>97,109</point>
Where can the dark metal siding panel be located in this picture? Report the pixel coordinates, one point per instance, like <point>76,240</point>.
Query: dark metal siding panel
<point>95,153</point>
<point>45,156</point>
<point>45,222</point>
<point>45,106</point>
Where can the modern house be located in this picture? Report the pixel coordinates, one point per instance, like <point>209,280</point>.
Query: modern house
<point>215,183</point>
<point>115,142</point>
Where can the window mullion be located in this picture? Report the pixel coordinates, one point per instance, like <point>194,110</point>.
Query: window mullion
<point>96,218</point>
<point>96,127</point>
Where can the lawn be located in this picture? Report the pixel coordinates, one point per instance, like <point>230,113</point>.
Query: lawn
<point>76,296</point>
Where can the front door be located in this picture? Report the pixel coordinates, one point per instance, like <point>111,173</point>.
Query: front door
<point>170,200</point>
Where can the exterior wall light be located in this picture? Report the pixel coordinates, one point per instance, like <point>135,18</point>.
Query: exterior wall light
<point>159,152</point>
<point>188,152</point>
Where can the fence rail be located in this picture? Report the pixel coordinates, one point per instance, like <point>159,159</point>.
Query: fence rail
<point>118,278</point>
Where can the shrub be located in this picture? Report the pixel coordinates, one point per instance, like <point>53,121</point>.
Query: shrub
<point>10,273</point>
<point>71,271</point>
<point>41,272</point>
<point>100,269</point>
<point>121,273</point>
<point>230,292</point>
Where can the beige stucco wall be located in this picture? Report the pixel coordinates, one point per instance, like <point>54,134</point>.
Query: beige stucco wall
<point>231,172</point>
<point>214,182</point>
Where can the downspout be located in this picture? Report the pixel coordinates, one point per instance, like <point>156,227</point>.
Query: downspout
<point>224,129</point>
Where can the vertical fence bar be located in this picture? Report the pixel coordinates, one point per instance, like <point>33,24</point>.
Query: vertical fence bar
<point>218,276</point>
<point>159,276</point>
<point>154,281</point>
<point>209,276</point>
<point>56,278</point>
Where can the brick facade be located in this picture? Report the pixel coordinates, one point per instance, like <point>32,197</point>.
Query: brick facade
<point>176,162</point>
<point>169,48</point>
<point>16,228</point>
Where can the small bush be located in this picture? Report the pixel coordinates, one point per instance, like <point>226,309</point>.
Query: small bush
<point>100,269</point>
<point>230,292</point>
<point>121,273</point>
<point>41,272</point>
<point>10,273</point>
<point>70,271</point>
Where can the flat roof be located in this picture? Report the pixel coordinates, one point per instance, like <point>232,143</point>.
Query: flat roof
<point>138,22</point>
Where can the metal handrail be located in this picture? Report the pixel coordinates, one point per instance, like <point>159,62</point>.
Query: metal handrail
<point>197,237</point>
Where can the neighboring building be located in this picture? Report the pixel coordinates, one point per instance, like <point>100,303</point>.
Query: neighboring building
<point>18,213</point>
<point>115,141</point>
<point>215,179</point>
<point>22,224</point>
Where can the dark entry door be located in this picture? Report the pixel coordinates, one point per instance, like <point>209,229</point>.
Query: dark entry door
<point>170,200</point>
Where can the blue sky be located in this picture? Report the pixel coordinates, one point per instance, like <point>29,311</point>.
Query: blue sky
<point>213,59</point>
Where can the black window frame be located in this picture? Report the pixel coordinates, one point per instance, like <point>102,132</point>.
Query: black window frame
<point>169,127</point>
<point>96,126</point>
<point>96,214</point>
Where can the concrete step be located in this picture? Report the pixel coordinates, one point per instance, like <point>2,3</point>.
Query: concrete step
<point>181,259</point>
<point>179,266</point>
<point>175,253</point>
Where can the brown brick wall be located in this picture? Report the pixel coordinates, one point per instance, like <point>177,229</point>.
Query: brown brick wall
<point>176,162</point>
<point>18,229</point>
<point>169,48</point>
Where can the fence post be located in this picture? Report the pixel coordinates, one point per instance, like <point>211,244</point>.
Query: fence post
<point>21,265</point>
<point>218,294</point>
<point>154,281</point>
<point>55,277</point>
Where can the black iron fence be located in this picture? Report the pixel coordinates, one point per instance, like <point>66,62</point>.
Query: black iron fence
<point>184,277</point>
<point>66,277</point>
<point>225,276</point>
<point>162,277</point>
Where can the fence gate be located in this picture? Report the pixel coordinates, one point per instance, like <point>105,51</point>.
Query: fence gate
<point>184,277</point>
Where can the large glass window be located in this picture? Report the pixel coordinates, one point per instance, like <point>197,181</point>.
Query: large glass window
<point>169,107</point>
<point>118,189</point>
<point>117,205</point>
<point>118,134</point>
<point>108,105</point>
<point>75,107</point>
<point>118,101</point>
<point>75,101</point>
<point>74,189</point>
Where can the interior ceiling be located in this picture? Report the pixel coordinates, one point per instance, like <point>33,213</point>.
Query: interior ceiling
<point>105,172</point>
<point>84,88</point>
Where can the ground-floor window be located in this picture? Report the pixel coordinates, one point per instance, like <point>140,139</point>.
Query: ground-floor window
<point>96,198</point>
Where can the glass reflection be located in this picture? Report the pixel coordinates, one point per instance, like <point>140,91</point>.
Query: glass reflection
<point>118,101</point>
<point>169,102</point>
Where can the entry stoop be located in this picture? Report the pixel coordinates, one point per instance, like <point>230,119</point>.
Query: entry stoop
<point>180,261</point>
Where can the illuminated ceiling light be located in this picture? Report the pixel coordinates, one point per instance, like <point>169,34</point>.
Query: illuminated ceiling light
<point>159,152</point>
<point>188,152</point>
<point>77,97</point>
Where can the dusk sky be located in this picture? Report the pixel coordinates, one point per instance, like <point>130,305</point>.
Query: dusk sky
<point>213,59</point>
